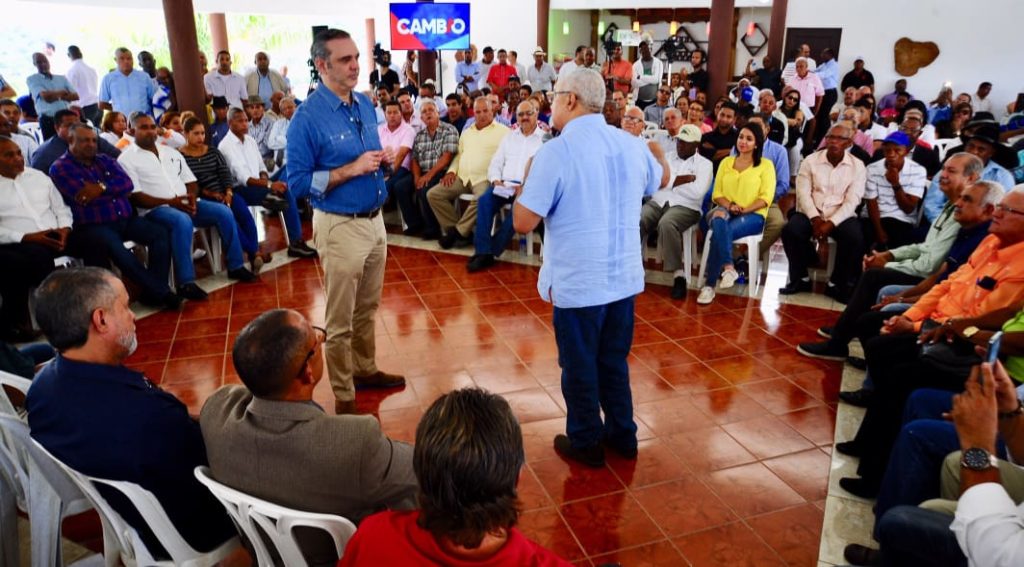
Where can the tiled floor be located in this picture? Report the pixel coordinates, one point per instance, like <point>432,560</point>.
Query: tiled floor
<point>736,427</point>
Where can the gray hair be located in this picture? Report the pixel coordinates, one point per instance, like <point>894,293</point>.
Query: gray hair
<point>973,164</point>
<point>671,110</point>
<point>843,125</point>
<point>288,98</point>
<point>234,111</point>
<point>137,117</point>
<point>121,50</point>
<point>994,192</point>
<point>428,102</point>
<point>319,48</point>
<point>587,85</point>
<point>66,300</point>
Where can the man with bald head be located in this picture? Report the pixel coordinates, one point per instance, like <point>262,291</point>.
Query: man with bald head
<point>50,93</point>
<point>633,123</point>
<point>264,81</point>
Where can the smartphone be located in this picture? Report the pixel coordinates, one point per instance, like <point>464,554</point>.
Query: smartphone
<point>993,347</point>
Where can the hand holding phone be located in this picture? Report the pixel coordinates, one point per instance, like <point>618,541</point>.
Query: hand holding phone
<point>993,347</point>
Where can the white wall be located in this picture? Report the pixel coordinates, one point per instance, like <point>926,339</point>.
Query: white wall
<point>977,42</point>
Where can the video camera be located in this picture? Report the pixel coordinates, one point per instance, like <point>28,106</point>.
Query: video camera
<point>381,56</point>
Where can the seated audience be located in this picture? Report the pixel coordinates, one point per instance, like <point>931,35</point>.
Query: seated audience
<point>260,437</point>
<point>252,182</point>
<point>983,142</point>
<point>213,176</point>
<point>950,241</point>
<point>653,112</point>
<point>27,144</point>
<point>170,133</point>
<point>506,173</point>
<point>456,115</point>
<point>409,114</point>
<point>953,126</point>
<point>432,152</point>
<point>695,116</point>
<point>166,193</point>
<point>767,109</point>
<point>97,189</point>
<point>744,188</point>
<point>829,188</point>
<point>775,153</point>
<point>672,121</point>
<point>719,142</point>
<point>895,186</point>
<point>612,113</point>
<point>259,129</point>
<point>466,174</point>
<point>277,140</point>
<point>219,129</point>
<point>633,123</point>
<point>34,228</point>
<point>921,151</point>
<point>796,116</point>
<point>468,457</point>
<point>64,121</point>
<point>104,420</point>
<point>113,127</point>
<point>677,206</point>
<point>396,137</point>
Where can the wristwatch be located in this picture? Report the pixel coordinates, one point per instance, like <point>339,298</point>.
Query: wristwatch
<point>103,186</point>
<point>977,459</point>
<point>971,331</point>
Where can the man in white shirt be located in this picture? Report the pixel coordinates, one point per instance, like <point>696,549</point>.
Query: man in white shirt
<point>506,173</point>
<point>672,122</point>
<point>647,74</point>
<point>252,182</point>
<point>277,141</point>
<point>166,193</point>
<point>675,208</point>
<point>541,74</point>
<point>86,83</point>
<point>223,82</point>
<point>27,144</point>
<point>34,228</point>
<point>980,101</point>
<point>259,128</point>
<point>895,186</point>
<point>571,65</point>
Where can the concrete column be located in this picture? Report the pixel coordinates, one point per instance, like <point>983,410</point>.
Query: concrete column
<point>427,60</point>
<point>188,77</point>
<point>371,39</point>
<point>777,31</point>
<point>543,16</point>
<point>718,46</point>
<point>218,34</point>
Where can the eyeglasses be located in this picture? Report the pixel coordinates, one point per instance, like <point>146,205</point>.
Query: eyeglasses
<point>633,119</point>
<point>524,114</point>
<point>1005,209</point>
<point>551,94</point>
<point>321,338</point>
<point>840,138</point>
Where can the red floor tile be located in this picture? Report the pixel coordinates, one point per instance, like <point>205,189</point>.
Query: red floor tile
<point>733,545</point>
<point>708,449</point>
<point>793,533</point>
<point>684,506</point>
<point>767,437</point>
<point>752,489</point>
<point>624,523</point>
<point>566,482</point>
<point>658,554</point>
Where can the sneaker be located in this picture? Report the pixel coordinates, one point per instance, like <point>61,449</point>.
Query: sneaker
<point>192,291</point>
<point>825,332</point>
<point>242,275</point>
<point>824,351</point>
<point>679,288</point>
<point>729,277</point>
<point>301,250</point>
<point>591,456</point>
<point>480,262</point>
<point>707,295</point>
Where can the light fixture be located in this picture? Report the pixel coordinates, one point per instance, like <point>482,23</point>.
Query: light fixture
<point>707,30</point>
<point>565,27</point>
<point>750,28</point>
<point>600,28</point>
<point>673,27</point>
<point>636,21</point>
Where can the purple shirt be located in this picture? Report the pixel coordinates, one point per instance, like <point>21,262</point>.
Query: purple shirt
<point>70,176</point>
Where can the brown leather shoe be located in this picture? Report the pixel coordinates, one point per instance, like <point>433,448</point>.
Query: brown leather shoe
<point>342,407</point>
<point>379,379</point>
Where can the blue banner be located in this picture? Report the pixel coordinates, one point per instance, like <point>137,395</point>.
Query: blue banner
<point>422,26</point>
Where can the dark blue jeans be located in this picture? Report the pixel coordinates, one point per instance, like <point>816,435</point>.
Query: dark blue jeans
<point>914,536</point>
<point>400,188</point>
<point>100,244</point>
<point>487,206</point>
<point>180,225</point>
<point>724,231</point>
<point>254,195</point>
<point>248,237</point>
<point>593,343</point>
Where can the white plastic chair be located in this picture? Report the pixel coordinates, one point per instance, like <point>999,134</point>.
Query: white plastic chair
<point>255,211</point>
<point>46,492</point>
<point>831,265</point>
<point>943,146</point>
<point>33,129</point>
<point>11,381</point>
<point>754,264</point>
<point>121,542</point>
<point>260,520</point>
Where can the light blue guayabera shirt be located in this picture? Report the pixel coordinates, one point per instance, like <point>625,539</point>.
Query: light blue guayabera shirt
<point>471,70</point>
<point>128,93</point>
<point>935,199</point>
<point>588,184</point>
<point>829,74</point>
<point>38,83</point>
<point>326,133</point>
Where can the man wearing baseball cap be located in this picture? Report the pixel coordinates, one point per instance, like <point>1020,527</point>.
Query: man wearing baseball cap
<point>541,74</point>
<point>894,188</point>
<point>677,206</point>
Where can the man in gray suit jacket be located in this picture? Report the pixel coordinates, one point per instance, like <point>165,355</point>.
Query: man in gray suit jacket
<point>270,440</point>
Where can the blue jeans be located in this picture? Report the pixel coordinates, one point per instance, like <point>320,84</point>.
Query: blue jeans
<point>254,195</point>
<point>593,343</point>
<point>914,536</point>
<point>724,232</point>
<point>487,206</point>
<point>400,188</point>
<point>179,224</point>
<point>248,237</point>
<point>100,244</point>
<point>894,308</point>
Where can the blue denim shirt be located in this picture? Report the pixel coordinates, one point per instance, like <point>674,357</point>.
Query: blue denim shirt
<point>588,184</point>
<point>326,133</point>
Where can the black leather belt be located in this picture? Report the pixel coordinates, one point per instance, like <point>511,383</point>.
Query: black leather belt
<point>368,215</point>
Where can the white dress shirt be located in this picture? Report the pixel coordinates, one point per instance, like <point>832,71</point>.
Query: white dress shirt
<point>542,79</point>
<point>28,145</point>
<point>277,140</point>
<point>509,160</point>
<point>640,79</point>
<point>164,177</point>
<point>567,67</point>
<point>30,203</point>
<point>989,527</point>
<point>689,195</point>
<point>86,82</point>
<point>243,157</point>
<point>913,179</point>
<point>230,86</point>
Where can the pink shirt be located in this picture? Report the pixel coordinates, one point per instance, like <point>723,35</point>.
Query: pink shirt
<point>832,193</point>
<point>402,137</point>
<point>808,87</point>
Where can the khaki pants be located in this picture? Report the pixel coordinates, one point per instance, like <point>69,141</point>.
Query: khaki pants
<point>671,223</point>
<point>1011,476</point>
<point>773,224</point>
<point>353,252</point>
<point>442,201</point>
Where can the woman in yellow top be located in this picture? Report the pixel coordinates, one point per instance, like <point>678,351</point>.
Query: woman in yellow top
<point>744,188</point>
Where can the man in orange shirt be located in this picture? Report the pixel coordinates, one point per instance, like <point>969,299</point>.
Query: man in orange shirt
<point>993,278</point>
<point>617,72</point>
<point>499,74</point>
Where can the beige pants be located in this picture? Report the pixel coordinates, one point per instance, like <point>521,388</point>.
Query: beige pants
<point>442,201</point>
<point>352,252</point>
<point>1011,476</point>
<point>773,224</point>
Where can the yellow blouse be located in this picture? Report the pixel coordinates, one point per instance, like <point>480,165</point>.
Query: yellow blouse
<point>745,187</point>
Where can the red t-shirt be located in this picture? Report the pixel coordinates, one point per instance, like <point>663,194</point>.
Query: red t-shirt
<point>499,76</point>
<point>393,538</point>
<point>623,70</point>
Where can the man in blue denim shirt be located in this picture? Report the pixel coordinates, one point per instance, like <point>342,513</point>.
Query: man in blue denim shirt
<point>587,185</point>
<point>335,159</point>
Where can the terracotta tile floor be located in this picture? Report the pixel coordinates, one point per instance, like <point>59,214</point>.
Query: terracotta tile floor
<point>735,427</point>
